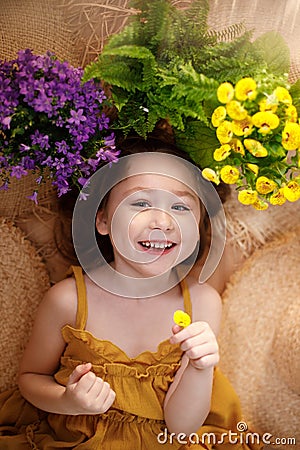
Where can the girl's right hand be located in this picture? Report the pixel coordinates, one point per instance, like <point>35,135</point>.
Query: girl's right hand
<point>86,393</point>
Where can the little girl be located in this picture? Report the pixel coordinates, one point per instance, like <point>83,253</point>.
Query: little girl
<point>106,367</point>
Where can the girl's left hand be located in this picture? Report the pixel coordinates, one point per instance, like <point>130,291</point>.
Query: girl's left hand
<point>199,343</point>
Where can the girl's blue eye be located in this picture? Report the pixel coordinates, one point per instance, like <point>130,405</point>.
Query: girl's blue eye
<point>181,207</point>
<point>141,204</point>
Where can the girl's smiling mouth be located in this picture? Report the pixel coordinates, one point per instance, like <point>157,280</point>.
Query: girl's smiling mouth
<point>157,246</point>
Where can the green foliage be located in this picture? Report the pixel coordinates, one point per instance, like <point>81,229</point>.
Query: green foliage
<point>200,141</point>
<point>230,61</point>
<point>274,51</point>
<point>295,93</point>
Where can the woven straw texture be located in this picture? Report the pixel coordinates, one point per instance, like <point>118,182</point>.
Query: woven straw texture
<point>39,25</point>
<point>260,337</point>
<point>93,22</point>
<point>24,281</point>
<point>249,229</point>
<point>50,233</point>
<point>40,223</point>
<point>14,202</point>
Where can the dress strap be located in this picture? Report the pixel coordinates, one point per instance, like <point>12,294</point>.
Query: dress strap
<point>186,297</point>
<point>82,309</point>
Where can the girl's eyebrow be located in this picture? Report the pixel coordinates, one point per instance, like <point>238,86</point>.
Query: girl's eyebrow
<point>184,193</point>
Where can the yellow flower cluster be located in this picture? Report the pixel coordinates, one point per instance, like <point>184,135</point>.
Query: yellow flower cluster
<point>259,134</point>
<point>181,318</point>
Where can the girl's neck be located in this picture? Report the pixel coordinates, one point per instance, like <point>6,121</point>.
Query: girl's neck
<point>109,279</point>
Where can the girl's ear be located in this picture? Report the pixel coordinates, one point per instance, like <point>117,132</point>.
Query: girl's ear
<point>101,222</point>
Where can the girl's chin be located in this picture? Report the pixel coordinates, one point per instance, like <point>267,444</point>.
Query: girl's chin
<point>149,262</point>
<point>156,268</point>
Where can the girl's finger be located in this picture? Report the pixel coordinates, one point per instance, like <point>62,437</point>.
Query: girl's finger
<point>86,382</point>
<point>78,372</point>
<point>192,330</point>
<point>201,351</point>
<point>97,387</point>
<point>101,388</point>
<point>205,362</point>
<point>109,400</point>
<point>176,329</point>
<point>199,339</point>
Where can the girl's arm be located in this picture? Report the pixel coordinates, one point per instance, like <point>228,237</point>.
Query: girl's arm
<point>187,402</point>
<point>85,393</point>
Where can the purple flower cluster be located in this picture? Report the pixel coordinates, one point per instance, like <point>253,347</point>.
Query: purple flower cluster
<point>51,122</point>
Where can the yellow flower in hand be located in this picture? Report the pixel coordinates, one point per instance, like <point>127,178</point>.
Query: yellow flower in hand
<point>181,318</point>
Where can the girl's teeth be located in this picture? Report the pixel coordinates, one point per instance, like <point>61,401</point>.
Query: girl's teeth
<point>156,245</point>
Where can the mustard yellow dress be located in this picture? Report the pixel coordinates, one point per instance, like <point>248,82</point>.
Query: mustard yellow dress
<point>135,421</point>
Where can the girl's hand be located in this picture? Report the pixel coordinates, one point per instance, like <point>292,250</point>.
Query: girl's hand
<point>199,343</point>
<point>86,393</point>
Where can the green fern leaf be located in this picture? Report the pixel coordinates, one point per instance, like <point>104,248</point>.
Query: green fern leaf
<point>275,52</point>
<point>201,142</point>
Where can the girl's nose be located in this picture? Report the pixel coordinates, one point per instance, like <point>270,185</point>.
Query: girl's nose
<point>160,219</point>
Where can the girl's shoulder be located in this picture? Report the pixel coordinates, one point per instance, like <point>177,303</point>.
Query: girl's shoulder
<point>206,303</point>
<point>61,300</point>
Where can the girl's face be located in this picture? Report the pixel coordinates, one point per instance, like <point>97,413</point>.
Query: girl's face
<point>153,223</point>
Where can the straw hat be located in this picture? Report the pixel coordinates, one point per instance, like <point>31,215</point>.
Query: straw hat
<point>249,229</point>
<point>24,281</point>
<point>260,336</point>
<point>41,224</point>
